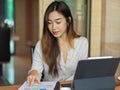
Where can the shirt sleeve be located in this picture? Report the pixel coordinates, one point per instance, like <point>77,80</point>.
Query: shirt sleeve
<point>37,63</point>
<point>83,46</point>
<point>71,77</point>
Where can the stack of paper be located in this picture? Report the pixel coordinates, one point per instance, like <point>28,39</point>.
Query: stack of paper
<point>36,86</point>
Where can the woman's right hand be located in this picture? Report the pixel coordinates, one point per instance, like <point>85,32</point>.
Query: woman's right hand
<point>32,77</point>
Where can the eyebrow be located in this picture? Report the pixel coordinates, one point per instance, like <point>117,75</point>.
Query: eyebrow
<point>55,19</point>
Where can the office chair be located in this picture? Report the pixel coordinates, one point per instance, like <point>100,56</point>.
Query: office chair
<point>32,52</point>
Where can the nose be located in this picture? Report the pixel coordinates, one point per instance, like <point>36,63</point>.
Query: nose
<point>53,26</point>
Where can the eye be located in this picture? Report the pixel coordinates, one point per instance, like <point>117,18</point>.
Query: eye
<point>49,22</point>
<point>58,22</point>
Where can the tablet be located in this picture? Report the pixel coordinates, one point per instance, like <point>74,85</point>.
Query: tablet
<point>96,73</point>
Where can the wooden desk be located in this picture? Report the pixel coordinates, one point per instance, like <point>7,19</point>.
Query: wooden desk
<point>117,88</point>
<point>15,87</point>
<point>12,87</point>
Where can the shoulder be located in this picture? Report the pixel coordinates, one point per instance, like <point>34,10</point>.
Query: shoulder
<point>81,40</point>
<point>38,47</point>
<point>38,44</point>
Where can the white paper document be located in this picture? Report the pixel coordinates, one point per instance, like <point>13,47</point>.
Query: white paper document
<point>36,86</point>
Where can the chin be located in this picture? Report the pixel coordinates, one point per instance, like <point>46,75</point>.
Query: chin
<point>57,36</point>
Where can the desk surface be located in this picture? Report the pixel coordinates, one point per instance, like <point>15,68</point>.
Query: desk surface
<point>117,88</point>
<point>12,87</point>
<point>15,87</point>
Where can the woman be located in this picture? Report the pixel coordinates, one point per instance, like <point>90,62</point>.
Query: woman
<point>60,49</point>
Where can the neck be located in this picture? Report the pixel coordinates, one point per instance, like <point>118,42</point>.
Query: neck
<point>63,38</point>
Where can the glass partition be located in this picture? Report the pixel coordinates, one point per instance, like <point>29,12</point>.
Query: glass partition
<point>7,16</point>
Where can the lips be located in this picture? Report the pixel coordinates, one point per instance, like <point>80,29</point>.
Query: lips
<point>55,32</point>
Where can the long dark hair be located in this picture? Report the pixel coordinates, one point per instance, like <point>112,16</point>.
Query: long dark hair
<point>50,46</point>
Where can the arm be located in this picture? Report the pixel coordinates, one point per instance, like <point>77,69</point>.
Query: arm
<point>84,49</point>
<point>35,72</point>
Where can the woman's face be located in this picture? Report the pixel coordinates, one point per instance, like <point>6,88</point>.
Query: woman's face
<point>57,24</point>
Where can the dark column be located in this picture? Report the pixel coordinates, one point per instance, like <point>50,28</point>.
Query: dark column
<point>0,70</point>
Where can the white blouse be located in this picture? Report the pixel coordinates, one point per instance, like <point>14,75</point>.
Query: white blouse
<point>66,70</point>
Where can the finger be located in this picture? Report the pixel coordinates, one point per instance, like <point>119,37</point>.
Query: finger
<point>38,80</point>
<point>32,80</point>
<point>28,79</point>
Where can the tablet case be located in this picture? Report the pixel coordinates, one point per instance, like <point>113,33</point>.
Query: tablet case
<point>97,74</point>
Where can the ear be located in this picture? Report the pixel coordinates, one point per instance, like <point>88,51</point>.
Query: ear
<point>69,19</point>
